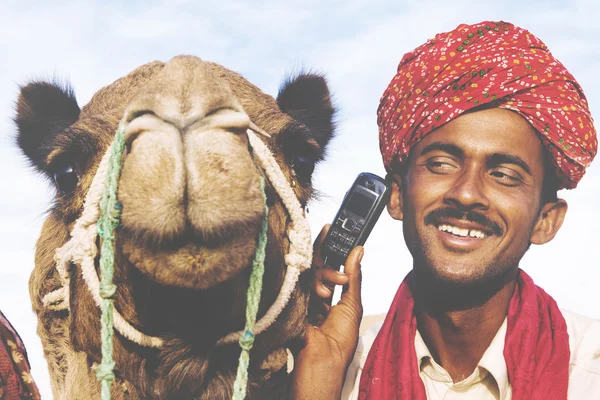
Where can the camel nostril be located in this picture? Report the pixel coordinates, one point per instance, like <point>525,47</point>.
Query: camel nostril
<point>227,119</point>
<point>218,111</point>
<point>139,113</point>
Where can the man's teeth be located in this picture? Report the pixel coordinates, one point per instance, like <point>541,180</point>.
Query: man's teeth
<point>474,233</point>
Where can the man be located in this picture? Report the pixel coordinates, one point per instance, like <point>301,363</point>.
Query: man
<point>15,378</point>
<point>478,130</point>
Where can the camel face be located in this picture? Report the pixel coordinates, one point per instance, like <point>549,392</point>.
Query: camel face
<point>192,206</point>
<point>189,181</point>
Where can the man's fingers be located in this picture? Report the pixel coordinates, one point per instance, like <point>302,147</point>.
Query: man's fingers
<point>321,288</point>
<point>325,281</point>
<point>317,260</point>
<point>323,291</point>
<point>352,270</point>
<point>344,318</point>
<point>332,277</point>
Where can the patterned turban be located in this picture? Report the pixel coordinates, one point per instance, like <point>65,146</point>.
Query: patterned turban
<point>489,62</point>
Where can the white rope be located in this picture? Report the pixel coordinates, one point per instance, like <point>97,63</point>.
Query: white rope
<point>81,248</point>
<point>299,257</point>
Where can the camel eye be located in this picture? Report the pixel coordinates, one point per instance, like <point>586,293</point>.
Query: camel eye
<point>303,167</point>
<point>66,178</point>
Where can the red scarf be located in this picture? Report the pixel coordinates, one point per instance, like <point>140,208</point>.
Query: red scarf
<point>536,349</point>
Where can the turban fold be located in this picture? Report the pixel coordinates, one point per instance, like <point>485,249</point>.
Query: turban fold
<point>489,62</point>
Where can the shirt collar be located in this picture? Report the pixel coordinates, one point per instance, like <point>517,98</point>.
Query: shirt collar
<point>492,361</point>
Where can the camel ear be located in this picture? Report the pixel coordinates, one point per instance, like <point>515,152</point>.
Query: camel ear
<point>306,98</point>
<point>44,110</point>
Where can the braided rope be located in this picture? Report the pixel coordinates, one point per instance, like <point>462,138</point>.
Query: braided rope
<point>81,250</point>
<point>110,213</point>
<point>299,257</point>
<point>105,210</point>
<point>252,303</point>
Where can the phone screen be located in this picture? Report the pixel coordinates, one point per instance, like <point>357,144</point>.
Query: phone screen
<point>360,204</point>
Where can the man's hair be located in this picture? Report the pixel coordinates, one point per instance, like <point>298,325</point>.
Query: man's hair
<point>550,182</point>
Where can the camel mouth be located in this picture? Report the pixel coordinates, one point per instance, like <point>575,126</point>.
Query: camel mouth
<point>190,261</point>
<point>207,236</point>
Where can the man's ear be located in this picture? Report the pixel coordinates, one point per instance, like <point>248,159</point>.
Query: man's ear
<point>395,206</point>
<point>549,221</point>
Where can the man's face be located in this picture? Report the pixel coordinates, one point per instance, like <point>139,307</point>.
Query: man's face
<point>471,197</point>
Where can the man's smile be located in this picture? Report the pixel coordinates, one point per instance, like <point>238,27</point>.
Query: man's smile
<point>464,232</point>
<point>461,235</point>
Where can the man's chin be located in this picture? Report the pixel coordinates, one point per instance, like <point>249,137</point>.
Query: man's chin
<point>457,277</point>
<point>451,273</point>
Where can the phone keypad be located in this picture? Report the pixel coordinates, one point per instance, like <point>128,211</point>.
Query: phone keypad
<point>343,241</point>
<point>357,228</point>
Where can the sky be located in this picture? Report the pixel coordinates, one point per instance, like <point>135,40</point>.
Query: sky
<point>356,44</point>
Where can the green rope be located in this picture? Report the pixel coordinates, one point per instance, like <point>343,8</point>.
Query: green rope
<point>110,212</point>
<point>252,302</point>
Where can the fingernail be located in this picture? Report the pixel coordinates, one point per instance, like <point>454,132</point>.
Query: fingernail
<point>340,273</point>
<point>360,255</point>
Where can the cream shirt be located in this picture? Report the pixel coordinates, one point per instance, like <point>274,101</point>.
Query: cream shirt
<point>490,381</point>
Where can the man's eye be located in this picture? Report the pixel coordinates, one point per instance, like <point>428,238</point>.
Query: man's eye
<point>440,166</point>
<point>506,178</point>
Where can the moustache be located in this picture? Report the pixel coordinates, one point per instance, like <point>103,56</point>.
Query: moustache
<point>471,216</point>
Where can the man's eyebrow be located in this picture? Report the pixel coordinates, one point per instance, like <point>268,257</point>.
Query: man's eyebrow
<point>503,158</point>
<point>445,147</point>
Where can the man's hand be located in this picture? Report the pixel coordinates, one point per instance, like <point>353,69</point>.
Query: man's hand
<point>320,367</point>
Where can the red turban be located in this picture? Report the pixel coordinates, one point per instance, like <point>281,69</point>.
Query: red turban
<point>482,63</point>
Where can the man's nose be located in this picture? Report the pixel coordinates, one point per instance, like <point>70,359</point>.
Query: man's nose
<point>468,191</point>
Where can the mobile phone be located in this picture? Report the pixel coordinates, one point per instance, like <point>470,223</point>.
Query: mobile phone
<point>355,219</point>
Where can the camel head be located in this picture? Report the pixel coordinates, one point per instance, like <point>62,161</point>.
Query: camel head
<point>192,208</point>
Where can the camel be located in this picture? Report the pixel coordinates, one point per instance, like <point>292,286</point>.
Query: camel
<point>192,207</point>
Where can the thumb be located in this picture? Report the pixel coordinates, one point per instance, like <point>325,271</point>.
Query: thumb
<point>344,318</point>
<point>352,268</point>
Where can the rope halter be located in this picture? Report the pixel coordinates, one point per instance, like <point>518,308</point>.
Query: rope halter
<point>101,214</point>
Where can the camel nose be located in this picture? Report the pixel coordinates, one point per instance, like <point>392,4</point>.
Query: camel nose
<point>186,94</point>
<point>188,167</point>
